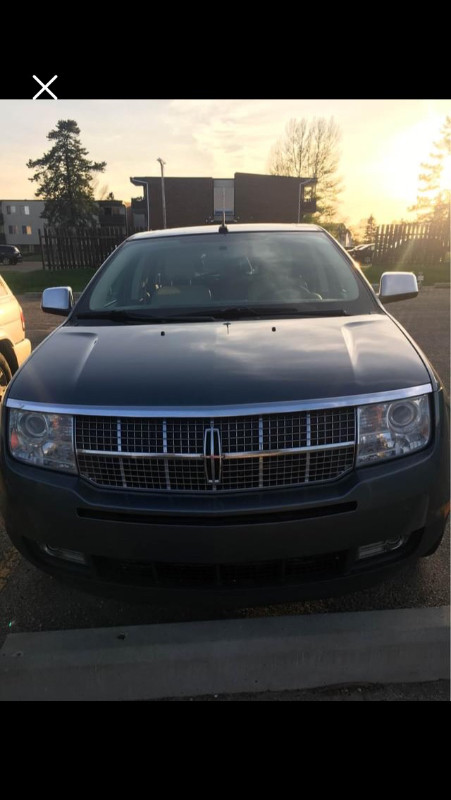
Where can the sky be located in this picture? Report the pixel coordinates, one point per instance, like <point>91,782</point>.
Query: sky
<point>383,143</point>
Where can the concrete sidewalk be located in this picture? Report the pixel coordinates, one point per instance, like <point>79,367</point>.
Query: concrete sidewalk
<point>195,659</point>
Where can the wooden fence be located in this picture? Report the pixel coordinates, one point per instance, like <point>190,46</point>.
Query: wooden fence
<point>89,247</point>
<point>412,244</point>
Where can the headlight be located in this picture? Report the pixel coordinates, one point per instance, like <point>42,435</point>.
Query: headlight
<point>44,440</point>
<point>390,430</point>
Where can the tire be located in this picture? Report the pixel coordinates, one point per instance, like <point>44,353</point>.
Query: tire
<point>5,375</point>
<point>433,548</point>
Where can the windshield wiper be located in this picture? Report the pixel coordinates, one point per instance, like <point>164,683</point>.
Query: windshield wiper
<point>122,315</point>
<point>238,312</point>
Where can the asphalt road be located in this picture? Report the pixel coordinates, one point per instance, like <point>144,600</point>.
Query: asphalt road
<point>33,601</point>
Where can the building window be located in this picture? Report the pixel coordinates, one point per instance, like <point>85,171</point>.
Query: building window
<point>26,210</point>
<point>13,229</point>
<point>108,212</point>
<point>26,229</point>
<point>10,209</point>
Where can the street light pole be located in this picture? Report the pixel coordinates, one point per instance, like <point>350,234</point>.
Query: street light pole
<point>163,195</point>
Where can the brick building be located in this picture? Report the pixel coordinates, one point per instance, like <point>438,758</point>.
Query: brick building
<point>245,198</point>
<point>112,214</point>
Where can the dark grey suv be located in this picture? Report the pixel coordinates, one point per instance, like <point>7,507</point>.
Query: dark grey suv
<point>229,413</point>
<point>10,254</point>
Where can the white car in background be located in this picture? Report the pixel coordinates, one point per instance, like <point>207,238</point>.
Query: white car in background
<point>14,346</point>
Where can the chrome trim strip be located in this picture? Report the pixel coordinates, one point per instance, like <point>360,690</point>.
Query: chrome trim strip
<point>165,451</point>
<point>225,456</point>
<point>123,454</point>
<point>247,409</point>
<point>119,447</point>
<point>309,442</point>
<point>204,455</point>
<point>260,447</point>
<point>217,459</point>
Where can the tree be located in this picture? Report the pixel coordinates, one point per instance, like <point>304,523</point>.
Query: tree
<point>370,230</point>
<point>64,175</point>
<point>310,150</point>
<point>101,192</point>
<point>433,200</point>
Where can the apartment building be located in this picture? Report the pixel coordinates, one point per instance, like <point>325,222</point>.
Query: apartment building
<point>20,221</point>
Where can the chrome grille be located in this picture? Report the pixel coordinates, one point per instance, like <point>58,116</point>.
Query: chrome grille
<point>271,450</point>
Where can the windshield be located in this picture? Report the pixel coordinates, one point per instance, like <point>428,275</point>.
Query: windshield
<point>243,272</point>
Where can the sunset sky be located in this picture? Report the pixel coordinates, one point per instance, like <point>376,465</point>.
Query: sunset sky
<point>383,142</point>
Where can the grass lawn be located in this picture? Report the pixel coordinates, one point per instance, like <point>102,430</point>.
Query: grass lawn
<point>432,274</point>
<point>32,257</point>
<point>37,281</point>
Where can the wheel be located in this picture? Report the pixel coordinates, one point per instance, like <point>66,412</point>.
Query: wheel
<point>5,375</point>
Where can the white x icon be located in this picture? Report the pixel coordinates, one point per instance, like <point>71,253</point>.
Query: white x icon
<point>45,86</point>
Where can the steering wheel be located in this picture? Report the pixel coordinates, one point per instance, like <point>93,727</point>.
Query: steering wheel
<point>299,293</point>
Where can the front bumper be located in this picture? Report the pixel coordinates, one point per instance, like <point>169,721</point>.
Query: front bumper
<point>272,546</point>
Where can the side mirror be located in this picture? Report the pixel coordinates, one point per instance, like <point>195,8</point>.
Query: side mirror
<point>397,286</point>
<point>58,300</point>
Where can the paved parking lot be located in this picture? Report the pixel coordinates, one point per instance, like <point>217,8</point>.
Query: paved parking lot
<point>33,601</point>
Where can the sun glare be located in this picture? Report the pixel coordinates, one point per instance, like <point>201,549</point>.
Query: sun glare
<point>445,177</point>
<point>399,165</point>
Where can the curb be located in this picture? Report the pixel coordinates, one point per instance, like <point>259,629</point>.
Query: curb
<point>151,662</point>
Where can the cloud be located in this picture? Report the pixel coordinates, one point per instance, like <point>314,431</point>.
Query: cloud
<point>228,132</point>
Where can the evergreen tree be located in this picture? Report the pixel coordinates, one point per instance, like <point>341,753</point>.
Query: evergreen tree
<point>64,175</point>
<point>370,230</point>
<point>433,200</point>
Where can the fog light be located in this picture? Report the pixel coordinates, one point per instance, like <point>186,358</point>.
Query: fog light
<point>377,548</point>
<point>61,552</point>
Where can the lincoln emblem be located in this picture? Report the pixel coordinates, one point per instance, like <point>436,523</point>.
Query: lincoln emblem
<point>212,455</point>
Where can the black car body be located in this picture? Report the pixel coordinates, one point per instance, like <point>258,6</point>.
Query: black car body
<point>10,254</point>
<point>363,253</point>
<point>230,414</point>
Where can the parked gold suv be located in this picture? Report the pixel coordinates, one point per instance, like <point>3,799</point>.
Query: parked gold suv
<point>14,346</point>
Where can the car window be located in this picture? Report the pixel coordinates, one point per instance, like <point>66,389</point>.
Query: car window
<point>236,269</point>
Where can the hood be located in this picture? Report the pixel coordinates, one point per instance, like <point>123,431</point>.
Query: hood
<point>217,363</point>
